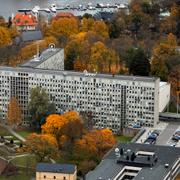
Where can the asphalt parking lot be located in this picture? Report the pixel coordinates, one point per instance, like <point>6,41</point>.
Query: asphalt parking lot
<point>167,133</point>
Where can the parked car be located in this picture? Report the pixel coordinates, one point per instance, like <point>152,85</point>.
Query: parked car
<point>156,132</point>
<point>136,126</point>
<point>175,138</point>
<point>149,141</point>
<point>153,136</point>
<point>177,135</point>
<point>172,143</point>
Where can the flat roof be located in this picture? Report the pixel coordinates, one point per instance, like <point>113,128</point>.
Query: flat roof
<point>109,168</point>
<point>82,74</point>
<point>44,55</point>
<point>56,168</point>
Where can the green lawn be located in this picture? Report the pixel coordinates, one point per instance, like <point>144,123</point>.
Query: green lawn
<point>4,132</point>
<point>22,175</point>
<point>16,177</point>
<point>24,133</point>
<point>24,160</point>
<point>173,108</point>
<point>123,138</point>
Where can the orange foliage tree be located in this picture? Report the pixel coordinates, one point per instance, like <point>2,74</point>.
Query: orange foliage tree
<point>63,27</point>
<point>14,115</point>
<point>42,145</point>
<point>103,59</point>
<point>5,36</point>
<point>161,54</point>
<point>94,144</point>
<point>66,127</point>
<point>99,27</point>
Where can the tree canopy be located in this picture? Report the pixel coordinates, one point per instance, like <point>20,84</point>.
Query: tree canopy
<point>39,106</point>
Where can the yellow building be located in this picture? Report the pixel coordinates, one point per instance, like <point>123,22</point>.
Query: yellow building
<point>45,171</point>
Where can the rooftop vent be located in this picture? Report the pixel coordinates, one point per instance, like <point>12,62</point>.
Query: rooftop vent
<point>166,165</point>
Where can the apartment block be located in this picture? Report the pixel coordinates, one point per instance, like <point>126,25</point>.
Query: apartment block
<point>113,100</point>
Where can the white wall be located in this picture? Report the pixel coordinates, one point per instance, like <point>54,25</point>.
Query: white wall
<point>164,95</point>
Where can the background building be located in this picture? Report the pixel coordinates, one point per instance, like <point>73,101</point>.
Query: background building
<point>114,101</point>
<point>25,22</point>
<point>51,58</point>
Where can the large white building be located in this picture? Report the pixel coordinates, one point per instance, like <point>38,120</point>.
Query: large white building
<point>113,100</point>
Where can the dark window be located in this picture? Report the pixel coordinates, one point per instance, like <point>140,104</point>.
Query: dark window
<point>44,177</point>
<point>64,178</point>
<point>54,177</point>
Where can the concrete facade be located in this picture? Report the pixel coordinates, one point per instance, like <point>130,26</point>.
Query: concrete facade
<point>114,101</point>
<point>57,176</point>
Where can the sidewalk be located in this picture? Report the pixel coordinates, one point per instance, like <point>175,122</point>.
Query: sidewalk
<point>14,133</point>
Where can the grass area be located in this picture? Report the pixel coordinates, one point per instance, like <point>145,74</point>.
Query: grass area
<point>123,138</point>
<point>16,177</point>
<point>22,175</point>
<point>4,132</point>
<point>172,108</point>
<point>24,133</point>
<point>24,160</point>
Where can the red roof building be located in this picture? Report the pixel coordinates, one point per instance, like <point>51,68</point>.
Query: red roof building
<point>25,22</point>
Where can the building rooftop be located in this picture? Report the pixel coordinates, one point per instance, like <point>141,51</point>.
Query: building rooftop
<point>56,168</point>
<point>22,19</point>
<point>25,69</point>
<point>38,59</point>
<point>150,162</point>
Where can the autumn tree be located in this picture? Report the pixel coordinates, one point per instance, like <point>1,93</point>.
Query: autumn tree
<point>77,52</point>
<point>68,126</point>
<point>39,106</point>
<point>42,146</point>
<point>94,144</point>
<point>5,36</point>
<point>63,27</point>
<point>14,114</point>
<point>174,80</point>
<point>139,18</point>
<point>103,59</point>
<point>162,52</point>
<point>99,27</point>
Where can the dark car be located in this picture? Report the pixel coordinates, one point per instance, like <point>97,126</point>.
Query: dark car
<point>149,141</point>
<point>175,138</point>
<point>137,126</point>
<point>153,136</point>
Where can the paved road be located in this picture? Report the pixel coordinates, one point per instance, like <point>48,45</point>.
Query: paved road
<point>166,135</point>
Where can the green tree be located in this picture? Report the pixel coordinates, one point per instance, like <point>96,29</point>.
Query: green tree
<point>138,62</point>
<point>39,106</point>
